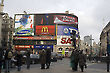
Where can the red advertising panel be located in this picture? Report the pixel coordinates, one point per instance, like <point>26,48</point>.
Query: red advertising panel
<point>45,30</point>
<point>22,46</point>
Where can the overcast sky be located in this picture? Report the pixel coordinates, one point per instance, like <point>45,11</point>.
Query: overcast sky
<point>93,14</point>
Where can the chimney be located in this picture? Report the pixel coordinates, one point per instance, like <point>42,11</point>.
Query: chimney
<point>66,12</point>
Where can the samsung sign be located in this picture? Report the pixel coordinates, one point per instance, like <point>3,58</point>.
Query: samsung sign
<point>66,30</point>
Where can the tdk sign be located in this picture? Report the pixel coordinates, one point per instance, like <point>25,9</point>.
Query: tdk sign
<point>66,30</point>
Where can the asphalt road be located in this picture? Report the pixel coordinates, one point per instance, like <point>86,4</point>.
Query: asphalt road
<point>62,66</point>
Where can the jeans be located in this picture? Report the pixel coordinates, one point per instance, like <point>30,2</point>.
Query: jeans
<point>19,68</point>
<point>7,62</point>
<point>28,64</point>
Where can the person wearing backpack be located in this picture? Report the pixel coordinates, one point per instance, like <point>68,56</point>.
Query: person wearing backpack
<point>8,56</point>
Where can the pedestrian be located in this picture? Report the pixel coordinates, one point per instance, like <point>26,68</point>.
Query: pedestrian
<point>8,56</point>
<point>43,58</point>
<point>48,58</point>
<point>28,59</point>
<point>1,58</point>
<point>82,60</point>
<point>72,63</point>
<point>76,59</point>
<point>108,61</point>
<point>19,60</point>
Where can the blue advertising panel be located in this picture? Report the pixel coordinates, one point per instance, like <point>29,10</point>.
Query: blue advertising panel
<point>66,30</point>
<point>43,46</point>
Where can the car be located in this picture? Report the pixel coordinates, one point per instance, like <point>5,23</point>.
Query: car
<point>59,56</point>
<point>34,58</point>
<point>53,57</point>
<point>24,57</point>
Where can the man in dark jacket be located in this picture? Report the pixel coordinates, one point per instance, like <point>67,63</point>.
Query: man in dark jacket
<point>19,60</point>
<point>82,60</point>
<point>76,59</point>
<point>28,59</point>
<point>43,59</point>
<point>48,58</point>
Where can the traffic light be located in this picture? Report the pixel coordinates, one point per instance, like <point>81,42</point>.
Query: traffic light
<point>73,38</point>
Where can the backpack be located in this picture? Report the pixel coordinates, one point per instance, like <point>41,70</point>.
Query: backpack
<point>10,54</point>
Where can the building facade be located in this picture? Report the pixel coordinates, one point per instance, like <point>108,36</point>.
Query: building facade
<point>7,31</point>
<point>42,31</point>
<point>103,39</point>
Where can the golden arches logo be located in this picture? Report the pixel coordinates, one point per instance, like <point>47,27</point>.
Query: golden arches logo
<point>44,29</point>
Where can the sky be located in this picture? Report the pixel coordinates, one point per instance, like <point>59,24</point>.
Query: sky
<point>93,15</point>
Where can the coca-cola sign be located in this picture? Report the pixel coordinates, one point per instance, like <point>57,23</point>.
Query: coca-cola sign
<point>63,19</point>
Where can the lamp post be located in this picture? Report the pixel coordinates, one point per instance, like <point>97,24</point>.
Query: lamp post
<point>108,51</point>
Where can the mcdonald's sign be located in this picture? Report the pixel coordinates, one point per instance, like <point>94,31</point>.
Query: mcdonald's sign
<point>45,30</point>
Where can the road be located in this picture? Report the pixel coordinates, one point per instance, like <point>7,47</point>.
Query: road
<point>62,66</point>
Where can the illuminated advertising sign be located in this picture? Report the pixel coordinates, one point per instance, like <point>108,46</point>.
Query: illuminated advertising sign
<point>24,25</point>
<point>64,19</point>
<point>66,30</point>
<point>22,46</point>
<point>64,40</point>
<point>43,46</point>
<point>35,38</point>
<point>44,19</point>
<point>45,30</point>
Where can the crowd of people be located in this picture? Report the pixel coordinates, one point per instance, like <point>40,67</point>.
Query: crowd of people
<point>6,56</point>
<point>77,57</point>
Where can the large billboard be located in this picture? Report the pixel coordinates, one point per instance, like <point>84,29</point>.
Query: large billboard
<point>64,19</point>
<point>45,30</point>
<point>56,18</point>
<point>64,40</point>
<point>66,30</point>
<point>44,19</point>
<point>24,25</point>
